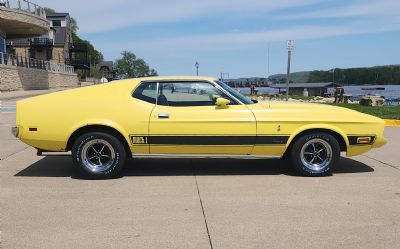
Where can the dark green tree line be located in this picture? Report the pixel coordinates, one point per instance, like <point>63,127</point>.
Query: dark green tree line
<point>352,76</point>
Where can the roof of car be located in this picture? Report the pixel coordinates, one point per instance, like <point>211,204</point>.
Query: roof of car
<point>162,78</point>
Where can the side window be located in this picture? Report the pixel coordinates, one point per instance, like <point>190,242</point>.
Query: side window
<point>147,91</point>
<point>189,94</point>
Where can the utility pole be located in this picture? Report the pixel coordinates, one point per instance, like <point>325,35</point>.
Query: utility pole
<point>333,76</point>
<point>268,62</point>
<point>289,46</point>
<point>197,68</point>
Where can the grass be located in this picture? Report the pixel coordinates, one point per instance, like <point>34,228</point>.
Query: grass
<point>385,112</point>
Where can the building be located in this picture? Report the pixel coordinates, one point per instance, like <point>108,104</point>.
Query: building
<point>21,19</point>
<point>107,70</point>
<point>33,64</point>
<point>246,82</point>
<point>305,89</point>
<point>55,46</point>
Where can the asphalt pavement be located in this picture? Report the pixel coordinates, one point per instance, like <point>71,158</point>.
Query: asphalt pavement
<point>197,203</point>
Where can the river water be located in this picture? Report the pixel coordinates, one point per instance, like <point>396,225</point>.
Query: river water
<point>390,92</point>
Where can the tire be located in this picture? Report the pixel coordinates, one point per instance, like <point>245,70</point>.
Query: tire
<point>315,154</point>
<point>98,155</point>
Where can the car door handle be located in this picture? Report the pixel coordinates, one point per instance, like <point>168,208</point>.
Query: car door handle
<point>163,116</point>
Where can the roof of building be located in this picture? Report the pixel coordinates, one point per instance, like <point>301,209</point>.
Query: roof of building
<point>57,15</point>
<point>306,85</point>
<point>108,64</point>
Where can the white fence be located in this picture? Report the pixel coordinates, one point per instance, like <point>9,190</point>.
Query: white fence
<point>25,6</point>
<point>19,61</point>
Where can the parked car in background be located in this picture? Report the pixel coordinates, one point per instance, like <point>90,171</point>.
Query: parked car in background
<point>103,125</point>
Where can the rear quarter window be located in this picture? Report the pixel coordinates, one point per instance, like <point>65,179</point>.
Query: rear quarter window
<point>146,91</point>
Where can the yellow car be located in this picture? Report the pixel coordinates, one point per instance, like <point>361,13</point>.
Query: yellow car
<point>189,116</point>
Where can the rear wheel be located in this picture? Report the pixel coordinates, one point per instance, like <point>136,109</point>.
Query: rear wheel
<point>98,155</point>
<point>315,154</point>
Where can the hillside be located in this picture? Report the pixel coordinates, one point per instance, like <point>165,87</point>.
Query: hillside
<point>378,75</point>
<point>298,77</point>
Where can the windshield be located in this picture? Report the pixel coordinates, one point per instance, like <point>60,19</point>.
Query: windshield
<point>235,93</point>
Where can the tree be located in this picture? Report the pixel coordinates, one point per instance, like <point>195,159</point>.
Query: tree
<point>49,10</point>
<point>94,55</point>
<point>129,66</point>
<point>389,74</point>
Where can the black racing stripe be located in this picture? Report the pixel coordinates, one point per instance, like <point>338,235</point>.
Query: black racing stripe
<point>353,139</point>
<point>210,140</point>
<point>202,140</point>
<point>271,139</point>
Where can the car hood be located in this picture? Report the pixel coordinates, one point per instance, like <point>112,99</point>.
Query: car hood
<point>311,112</point>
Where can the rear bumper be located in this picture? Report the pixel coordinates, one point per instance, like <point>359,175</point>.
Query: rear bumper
<point>15,131</point>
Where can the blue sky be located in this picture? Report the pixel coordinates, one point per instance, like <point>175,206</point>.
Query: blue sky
<point>233,36</point>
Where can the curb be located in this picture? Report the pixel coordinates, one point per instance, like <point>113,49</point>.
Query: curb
<point>392,122</point>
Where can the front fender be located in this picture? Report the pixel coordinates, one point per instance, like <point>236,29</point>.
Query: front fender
<point>317,126</point>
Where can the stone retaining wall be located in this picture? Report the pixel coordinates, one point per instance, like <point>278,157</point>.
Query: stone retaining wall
<point>20,78</point>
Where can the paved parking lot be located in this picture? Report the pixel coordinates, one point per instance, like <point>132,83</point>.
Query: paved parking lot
<point>198,203</point>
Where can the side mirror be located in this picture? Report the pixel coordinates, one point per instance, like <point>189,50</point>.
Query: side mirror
<point>222,103</point>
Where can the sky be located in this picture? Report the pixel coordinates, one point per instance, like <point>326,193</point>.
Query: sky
<point>245,38</point>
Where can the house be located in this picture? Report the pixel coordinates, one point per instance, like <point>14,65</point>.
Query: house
<point>305,89</point>
<point>55,46</point>
<point>107,70</point>
<point>29,48</point>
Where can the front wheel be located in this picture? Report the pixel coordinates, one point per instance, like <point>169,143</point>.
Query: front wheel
<point>315,154</point>
<point>98,155</point>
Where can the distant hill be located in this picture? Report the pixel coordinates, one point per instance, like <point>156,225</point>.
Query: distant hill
<point>298,77</point>
<point>378,75</point>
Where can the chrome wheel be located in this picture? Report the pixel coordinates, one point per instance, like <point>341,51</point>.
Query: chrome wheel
<point>316,154</point>
<point>98,155</point>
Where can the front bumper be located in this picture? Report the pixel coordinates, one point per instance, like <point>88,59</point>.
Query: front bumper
<point>379,142</point>
<point>15,131</point>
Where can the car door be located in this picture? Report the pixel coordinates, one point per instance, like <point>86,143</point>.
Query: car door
<point>141,106</point>
<point>186,120</point>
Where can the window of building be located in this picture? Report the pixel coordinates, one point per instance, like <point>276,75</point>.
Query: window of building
<point>189,94</point>
<point>56,23</point>
<point>2,45</point>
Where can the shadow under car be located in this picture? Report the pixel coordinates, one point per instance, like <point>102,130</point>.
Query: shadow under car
<point>62,166</point>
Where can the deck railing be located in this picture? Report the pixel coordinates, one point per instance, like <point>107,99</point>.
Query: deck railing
<point>24,5</point>
<point>41,41</point>
<point>19,61</point>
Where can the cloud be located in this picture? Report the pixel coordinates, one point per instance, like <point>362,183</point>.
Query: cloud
<point>248,24</point>
<point>369,8</point>
<point>189,44</point>
<point>101,16</point>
